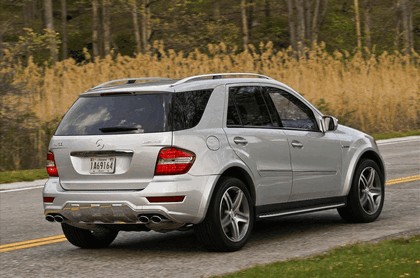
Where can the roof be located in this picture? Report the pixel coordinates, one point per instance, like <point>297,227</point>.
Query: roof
<point>156,84</point>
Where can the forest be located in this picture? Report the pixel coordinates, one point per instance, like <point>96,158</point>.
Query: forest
<point>355,59</point>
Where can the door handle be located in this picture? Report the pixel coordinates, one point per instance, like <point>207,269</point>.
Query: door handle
<point>297,144</point>
<point>240,141</point>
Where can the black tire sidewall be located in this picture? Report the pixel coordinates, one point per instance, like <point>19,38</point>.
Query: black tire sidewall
<point>214,212</point>
<point>354,200</point>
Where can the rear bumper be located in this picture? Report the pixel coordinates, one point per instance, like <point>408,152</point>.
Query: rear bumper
<point>124,207</point>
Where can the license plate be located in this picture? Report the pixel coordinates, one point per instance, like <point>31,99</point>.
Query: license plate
<point>102,165</point>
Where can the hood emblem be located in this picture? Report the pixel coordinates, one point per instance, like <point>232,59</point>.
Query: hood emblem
<point>100,144</point>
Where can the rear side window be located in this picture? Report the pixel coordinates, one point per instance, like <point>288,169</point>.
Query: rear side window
<point>188,108</point>
<point>247,107</point>
<point>123,113</point>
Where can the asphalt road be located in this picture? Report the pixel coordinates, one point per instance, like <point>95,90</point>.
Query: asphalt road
<point>177,254</point>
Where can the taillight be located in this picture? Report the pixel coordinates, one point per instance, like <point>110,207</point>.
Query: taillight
<point>174,161</point>
<point>51,167</point>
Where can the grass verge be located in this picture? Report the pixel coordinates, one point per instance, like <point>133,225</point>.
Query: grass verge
<point>22,175</point>
<point>390,135</point>
<point>392,258</point>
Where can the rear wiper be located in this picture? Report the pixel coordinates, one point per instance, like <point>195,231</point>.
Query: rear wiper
<point>117,128</point>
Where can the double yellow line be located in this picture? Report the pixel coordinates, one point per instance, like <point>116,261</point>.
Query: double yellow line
<point>61,238</point>
<point>31,243</point>
<point>403,180</point>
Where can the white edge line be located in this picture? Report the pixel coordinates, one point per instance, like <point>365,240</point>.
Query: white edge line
<point>20,189</point>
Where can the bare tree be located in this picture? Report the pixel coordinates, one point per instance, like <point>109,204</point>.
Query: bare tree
<point>106,24</point>
<point>146,26</point>
<point>357,19</point>
<point>404,27</point>
<point>135,16</point>
<point>49,24</point>
<point>245,32</point>
<point>305,18</point>
<point>64,37</point>
<point>292,23</point>
<point>95,28</point>
<point>366,23</point>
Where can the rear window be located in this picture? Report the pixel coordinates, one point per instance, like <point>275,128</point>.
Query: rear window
<point>134,113</point>
<point>98,115</point>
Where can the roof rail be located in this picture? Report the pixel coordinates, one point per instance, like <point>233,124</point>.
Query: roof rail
<point>219,76</point>
<point>129,81</point>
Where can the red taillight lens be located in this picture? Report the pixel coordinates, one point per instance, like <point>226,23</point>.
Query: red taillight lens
<point>174,161</point>
<point>51,168</point>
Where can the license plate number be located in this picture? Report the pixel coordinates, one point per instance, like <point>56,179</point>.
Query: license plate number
<point>102,165</point>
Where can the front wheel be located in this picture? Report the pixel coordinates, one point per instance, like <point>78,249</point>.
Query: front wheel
<point>89,239</point>
<point>229,219</point>
<point>367,194</point>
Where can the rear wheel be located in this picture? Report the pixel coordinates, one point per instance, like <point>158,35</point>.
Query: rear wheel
<point>367,194</point>
<point>98,238</point>
<point>229,219</point>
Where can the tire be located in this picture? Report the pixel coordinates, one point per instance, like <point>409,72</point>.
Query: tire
<point>89,239</point>
<point>229,219</point>
<point>367,194</point>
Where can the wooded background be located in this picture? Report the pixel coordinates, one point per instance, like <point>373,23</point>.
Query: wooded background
<point>130,27</point>
<point>354,59</point>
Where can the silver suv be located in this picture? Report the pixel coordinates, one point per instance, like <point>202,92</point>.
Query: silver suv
<point>212,152</point>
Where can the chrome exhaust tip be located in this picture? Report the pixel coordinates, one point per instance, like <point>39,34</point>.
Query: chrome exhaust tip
<point>143,219</point>
<point>49,218</point>
<point>59,218</point>
<point>156,219</point>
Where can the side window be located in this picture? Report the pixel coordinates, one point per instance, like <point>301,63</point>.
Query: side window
<point>293,113</point>
<point>247,107</point>
<point>188,108</point>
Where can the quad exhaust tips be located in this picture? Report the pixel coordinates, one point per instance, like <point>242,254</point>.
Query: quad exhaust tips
<point>143,219</point>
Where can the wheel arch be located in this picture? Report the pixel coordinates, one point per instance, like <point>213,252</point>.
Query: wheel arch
<point>243,175</point>
<point>366,154</point>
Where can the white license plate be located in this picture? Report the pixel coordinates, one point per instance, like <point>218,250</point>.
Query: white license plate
<point>102,165</point>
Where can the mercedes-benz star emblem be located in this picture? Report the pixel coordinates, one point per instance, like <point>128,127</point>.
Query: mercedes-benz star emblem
<point>100,144</point>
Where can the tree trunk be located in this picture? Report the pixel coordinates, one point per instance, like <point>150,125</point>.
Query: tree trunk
<point>245,33</point>
<point>407,25</point>
<point>106,23</point>
<point>315,23</point>
<point>64,37</point>
<point>308,20</point>
<point>95,28</point>
<point>357,18</point>
<point>292,24</point>
<point>267,8</point>
<point>146,26</point>
<point>134,13</point>
<point>366,23</point>
<point>300,26</point>
<point>49,25</point>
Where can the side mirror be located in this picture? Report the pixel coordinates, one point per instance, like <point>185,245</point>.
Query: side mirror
<point>330,123</point>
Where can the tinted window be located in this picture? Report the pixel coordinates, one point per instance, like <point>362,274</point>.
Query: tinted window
<point>123,113</point>
<point>293,113</point>
<point>188,108</point>
<point>247,107</point>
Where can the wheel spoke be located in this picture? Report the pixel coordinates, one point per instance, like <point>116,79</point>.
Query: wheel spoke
<point>227,201</point>
<point>363,182</point>
<point>235,230</point>
<point>371,178</point>
<point>226,221</point>
<point>376,191</point>
<point>363,199</point>
<point>371,203</point>
<point>238,201</point>
<point>242,217</point>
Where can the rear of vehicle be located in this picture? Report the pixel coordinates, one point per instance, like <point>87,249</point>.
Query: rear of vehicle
<point>113,165</point>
